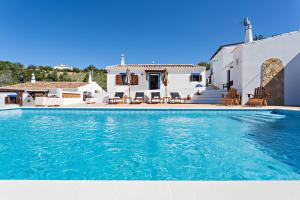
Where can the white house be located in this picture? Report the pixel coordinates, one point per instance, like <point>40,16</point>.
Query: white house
<point>186,79</point>
<point>62,67</point>
<point>273,63</point>
<point>51,93</point>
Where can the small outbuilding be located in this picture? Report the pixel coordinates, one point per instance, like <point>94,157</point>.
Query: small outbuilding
<point>46,93</point>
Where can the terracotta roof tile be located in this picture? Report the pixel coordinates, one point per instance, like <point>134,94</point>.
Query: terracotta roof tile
<point>154,66</point>
<point>44,85</point>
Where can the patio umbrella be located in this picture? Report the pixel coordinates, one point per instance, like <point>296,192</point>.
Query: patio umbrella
<point>165,80</point>
<point>128,80</point>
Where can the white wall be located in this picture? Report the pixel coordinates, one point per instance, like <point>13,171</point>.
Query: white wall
<point>292,81</point>
<point>69,101</point>
<point>101,94</point>
<point>286,48</point>
<point>220,64</point>
<point>237,70</point>
<point>28,100</point>
<point>179,81</point>
<point>2,98</point>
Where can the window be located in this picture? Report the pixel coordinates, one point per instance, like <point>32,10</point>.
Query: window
<point>195,77</point>
<point>121,79</point>
<point>123,76</point>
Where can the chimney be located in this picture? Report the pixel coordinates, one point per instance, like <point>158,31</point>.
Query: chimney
<point>90,78</point>
<point>32,78</point>
<point>122,59</point>
<point>248,26</point>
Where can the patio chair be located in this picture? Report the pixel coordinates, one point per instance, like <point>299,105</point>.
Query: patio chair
<point>232,98</point>
<point>118,98</point>
<point>139,98</point>
<point>176,98</point>
<point>258,98</point>
<point>155,97</point>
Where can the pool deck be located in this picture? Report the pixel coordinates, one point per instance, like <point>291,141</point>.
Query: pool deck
<point>144,190</point>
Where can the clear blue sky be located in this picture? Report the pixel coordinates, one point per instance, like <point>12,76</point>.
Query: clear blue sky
<point>79,33</point>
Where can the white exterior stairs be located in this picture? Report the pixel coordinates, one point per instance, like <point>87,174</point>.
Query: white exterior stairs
<point>211,95</point>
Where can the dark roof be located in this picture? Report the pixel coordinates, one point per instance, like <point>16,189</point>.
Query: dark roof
<point>226,45</point>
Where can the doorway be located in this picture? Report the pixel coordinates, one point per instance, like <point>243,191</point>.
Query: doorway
<point>228,77</point>
<point>154,81</point>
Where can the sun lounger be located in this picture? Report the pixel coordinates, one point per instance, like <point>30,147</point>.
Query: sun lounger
<point>139,98</point>
<point>258,98</point>
<point>232,98</point>
<point>155,97</point>
<point>176,98</point>
<point>118,98</point>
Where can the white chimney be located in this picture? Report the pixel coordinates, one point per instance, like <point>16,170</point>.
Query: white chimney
<point>90,78</point>
<point>122,59</point>
<point>248,26</point>
<point>32,78</point>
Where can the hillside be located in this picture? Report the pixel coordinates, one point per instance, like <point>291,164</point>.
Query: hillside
<point>12,73</point>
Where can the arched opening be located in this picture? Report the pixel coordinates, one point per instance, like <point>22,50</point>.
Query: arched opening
<point>273,80</point>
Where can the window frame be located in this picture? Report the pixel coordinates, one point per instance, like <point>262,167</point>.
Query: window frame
<point>158,74</point>
<point>123,78</point>
<point>196,77</point>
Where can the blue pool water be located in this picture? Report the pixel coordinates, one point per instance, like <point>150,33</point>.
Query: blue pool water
<point>149,145</point>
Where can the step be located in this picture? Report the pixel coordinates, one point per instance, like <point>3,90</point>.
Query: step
<point>260,119</point>
<point>206,101</point>
<point>270,115</point>
<point>246,120</point>
<point>213,92</point>
<point>210,95</point>
<point>207,96</point>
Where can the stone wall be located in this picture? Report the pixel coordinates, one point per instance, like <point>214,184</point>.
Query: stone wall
<point>273,81</point>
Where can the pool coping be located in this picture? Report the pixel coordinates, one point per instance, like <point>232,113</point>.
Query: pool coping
<point>158,190</point>
<point>277,110</point>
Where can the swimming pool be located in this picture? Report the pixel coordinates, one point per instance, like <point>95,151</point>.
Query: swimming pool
<point>120,144</point>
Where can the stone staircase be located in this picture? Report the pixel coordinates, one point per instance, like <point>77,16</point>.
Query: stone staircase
<point>211,95</point>
<point>257,118</point>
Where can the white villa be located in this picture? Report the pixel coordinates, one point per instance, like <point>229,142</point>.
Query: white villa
<point>45,93</point>
<point>273,63</point>
<point>62,67</point>
<point>186,79</point>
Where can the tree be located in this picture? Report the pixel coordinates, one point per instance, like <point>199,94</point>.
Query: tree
<point>101,78</point>
<point>45,68</point>
<point>6,78</point>
<point>86,77</point>
<point>32,67</point>
<point>53,76</point>
<point>90,68</point>
<point>204,64</point>
<point>76,70</point>
<point>12,73</point>
<point>64,77</point>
